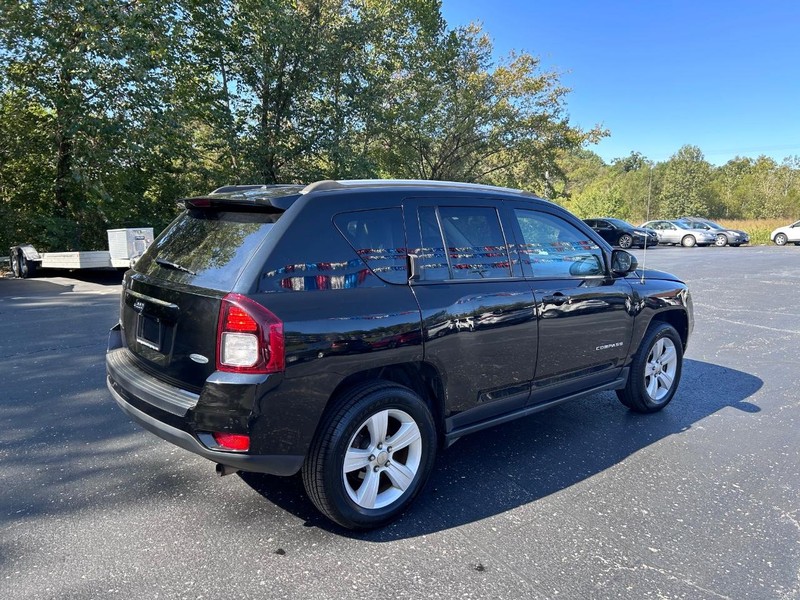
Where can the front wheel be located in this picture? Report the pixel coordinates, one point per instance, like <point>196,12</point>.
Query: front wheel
<point>722,240</point>
<point>655,370</point>
<point>781,239</point>
<point>372,456</point>
<point>688,241</point>
<point>625,241</point>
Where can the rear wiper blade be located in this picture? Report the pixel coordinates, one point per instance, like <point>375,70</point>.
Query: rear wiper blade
<point>172,265</point>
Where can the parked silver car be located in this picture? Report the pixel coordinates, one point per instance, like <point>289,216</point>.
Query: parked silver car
<point>786,234</point>
<point>723,235</point>
<point>680,232</point>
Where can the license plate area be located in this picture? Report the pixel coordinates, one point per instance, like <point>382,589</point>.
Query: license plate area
<point>149,332</point>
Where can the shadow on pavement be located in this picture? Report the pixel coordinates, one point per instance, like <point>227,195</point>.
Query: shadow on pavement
<point>66,447</point>
<point>46,279</point>
<point>505,467</point>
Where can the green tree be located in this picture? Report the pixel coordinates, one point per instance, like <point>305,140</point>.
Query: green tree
<point>685,184</point>
<point>580,167</point>
<point>96,72</point>
<point>602,198</point>
<point>454,114</point>
<point>27,168</point>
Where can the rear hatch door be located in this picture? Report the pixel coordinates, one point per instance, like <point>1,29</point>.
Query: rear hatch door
<point>171,299</point>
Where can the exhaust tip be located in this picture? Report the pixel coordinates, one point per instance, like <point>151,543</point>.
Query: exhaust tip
<point>223,470</point>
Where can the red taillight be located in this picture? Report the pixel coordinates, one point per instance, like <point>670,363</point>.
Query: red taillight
<point>238,319</point>
<point>232,441</point>
<point>249,337</point>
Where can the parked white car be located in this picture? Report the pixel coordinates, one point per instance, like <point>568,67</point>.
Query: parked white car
<point>788,233</point>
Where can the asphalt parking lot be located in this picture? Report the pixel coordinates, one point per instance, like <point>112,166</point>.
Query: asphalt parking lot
<point>587,500</point>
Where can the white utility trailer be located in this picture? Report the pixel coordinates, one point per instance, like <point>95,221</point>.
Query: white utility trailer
<point>125,246</point>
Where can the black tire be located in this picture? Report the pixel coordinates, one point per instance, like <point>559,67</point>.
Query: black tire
<point>688,241</point>
<point>781,239</point>
<point>346,432</point>
<point>721,241</point>
<point>27,268</point>
<point>625,241</point>
<point>652,366</point>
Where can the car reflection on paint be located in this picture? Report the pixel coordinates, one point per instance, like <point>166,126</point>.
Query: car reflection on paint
<point>621,233</point>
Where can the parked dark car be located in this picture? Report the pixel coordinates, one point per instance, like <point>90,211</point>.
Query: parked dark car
<point>722,235</point>
<point>621,233</point>
<point>350,330</point>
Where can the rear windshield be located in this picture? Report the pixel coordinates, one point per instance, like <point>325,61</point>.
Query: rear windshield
<point>207,248</point>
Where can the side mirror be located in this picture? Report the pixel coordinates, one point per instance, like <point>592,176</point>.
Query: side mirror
<point>623,262</point>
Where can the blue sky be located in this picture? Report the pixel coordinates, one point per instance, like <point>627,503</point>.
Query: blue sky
<point>724,76</point>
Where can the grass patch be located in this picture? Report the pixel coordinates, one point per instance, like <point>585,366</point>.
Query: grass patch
<point>759,229</point>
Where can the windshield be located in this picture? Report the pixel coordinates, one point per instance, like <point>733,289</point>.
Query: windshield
<point>713,225</point>
<point>620,223</point>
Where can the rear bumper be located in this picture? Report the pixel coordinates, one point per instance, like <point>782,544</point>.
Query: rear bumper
<point>167,411</point>
<point>273,464</point>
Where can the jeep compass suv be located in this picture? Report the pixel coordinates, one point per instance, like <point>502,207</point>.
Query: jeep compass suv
<point>349,330</point>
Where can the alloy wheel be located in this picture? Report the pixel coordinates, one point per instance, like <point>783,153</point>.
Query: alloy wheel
<point>660,369</point>
<point>382,459</point>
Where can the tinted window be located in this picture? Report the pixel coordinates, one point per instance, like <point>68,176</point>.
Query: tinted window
<point>555,248</point>
<point>433,263</point>
<point>378,238</point>
<point>474,245</point>
<point>207,248</point>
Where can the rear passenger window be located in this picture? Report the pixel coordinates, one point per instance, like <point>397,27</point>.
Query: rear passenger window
<point>378,238</point>
<point>555,248</point>
<point>462,243</point>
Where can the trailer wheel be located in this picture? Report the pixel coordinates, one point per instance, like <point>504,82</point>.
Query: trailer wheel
<point>15,263</point>
<point>27,268</point>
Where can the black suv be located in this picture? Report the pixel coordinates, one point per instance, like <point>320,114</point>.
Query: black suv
<point>348,330</point>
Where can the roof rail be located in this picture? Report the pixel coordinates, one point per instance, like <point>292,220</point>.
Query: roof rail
<point>325,184</point>
<point>329,184</point>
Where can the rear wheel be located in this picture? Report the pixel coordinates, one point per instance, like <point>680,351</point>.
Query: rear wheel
<point>372,456</point>
<point>688,241</point>
<point>722,240</point>
<point>655,370</point>
<point>625,241</point>
<point>781,239</point>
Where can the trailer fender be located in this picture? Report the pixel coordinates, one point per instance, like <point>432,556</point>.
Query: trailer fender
<point>24,260</point>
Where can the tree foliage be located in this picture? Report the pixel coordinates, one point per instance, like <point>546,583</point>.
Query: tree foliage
<point>109,111</point>
<point>637,189</point>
